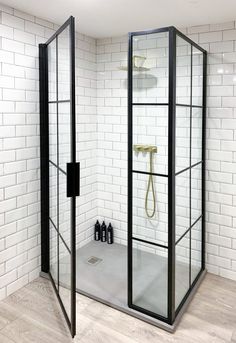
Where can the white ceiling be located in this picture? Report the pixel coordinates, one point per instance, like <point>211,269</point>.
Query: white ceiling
<point>105,18</point>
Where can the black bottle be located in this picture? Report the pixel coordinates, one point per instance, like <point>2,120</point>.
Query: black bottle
<point>103,232</point>
<point>110,234</point>
<point>97,231</point>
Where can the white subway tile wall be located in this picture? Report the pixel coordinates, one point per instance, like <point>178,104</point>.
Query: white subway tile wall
<point>20,35</point>
<point>101,105</point>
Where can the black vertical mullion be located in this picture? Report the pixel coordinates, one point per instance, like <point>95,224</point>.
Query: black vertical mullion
<point>171,175</point>
<point>190,165</point>
<point>73,160</point>
<point>130,175</point>
<point>204,91</point>
<point>58,228</point>
<point>44,157</point>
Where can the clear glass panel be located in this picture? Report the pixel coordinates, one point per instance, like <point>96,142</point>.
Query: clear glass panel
<point>196,193</point>
<point>197,77</point>
<point>64,65</point>
<point>182,262</point>
<point>54,254</point>
<point>52,71</point>
<point>150,271</point>
<point>182,144</point>
<point>183,71</point>
<point>196,135</point>
<point>64,128</point>
<point>65,276</point>
<point>150,68</point>
<point>52,121</point>
<point>153,229</point>
<point>182,204</point>
<point>150,127</point>
<point>53,193</point>
<point>64,210</point>
<point>196,249</point>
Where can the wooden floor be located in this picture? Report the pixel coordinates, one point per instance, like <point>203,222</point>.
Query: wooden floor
<point>32,315</point>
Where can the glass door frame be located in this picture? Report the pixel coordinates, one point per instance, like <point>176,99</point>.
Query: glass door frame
<point>72,167</point>
<point>171,311</point>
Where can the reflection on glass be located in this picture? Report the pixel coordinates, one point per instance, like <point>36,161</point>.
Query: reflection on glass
<point>150,68</point>
<point>196,193</point>
<point>151,229</point>
<point>52,71</point>
<point>53,254</point>
<point>150,127</point>
<point>182,203</point>
<point>196,135</point>
<point>65,277</point>
<point>64,133</point>
<point>196,249</point>
<point>197,77</point>
<point>150,271</point>
<point>64,210</point>
<point>183,71</point>
<point>181,269</point>
<point>52,121</point>
<point>182,143</point>
<point>64,65</point>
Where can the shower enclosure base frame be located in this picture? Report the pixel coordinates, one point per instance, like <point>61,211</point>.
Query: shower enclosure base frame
<point>150,320</point>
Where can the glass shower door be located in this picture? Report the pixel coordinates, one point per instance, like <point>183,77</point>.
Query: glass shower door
<point>58,56</point>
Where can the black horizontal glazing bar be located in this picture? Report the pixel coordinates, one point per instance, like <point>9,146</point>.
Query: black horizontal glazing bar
<point>185,105</point>
<point>152,243</point>
<point>185,169</point>
<point>147,173</point>
<point>60,235</point>
<point>148,32</point>
<point>58,101</point>
<point>150,104</point>
<point>182,236</point>
<point>150,313</point>
<point>187,39</point>
<point>62,28</point>
<point>54,164</point>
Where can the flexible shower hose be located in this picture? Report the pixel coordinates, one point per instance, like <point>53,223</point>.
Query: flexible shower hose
<point>150,185</point>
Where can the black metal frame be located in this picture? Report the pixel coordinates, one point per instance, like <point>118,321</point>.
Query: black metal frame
<point>173,32</point>
<point>72,171</point>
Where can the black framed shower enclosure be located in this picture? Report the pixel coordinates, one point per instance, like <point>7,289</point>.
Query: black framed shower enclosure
<point>167,110</point>
<point>59,170</point>
<point>182,250</point>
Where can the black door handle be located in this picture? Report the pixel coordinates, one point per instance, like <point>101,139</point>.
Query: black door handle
<point>73,179</point>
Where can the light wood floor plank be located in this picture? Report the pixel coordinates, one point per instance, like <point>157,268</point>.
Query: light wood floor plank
<point>33,315</point>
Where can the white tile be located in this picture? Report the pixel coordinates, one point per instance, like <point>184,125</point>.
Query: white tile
<point>224,26</point>
<point>6,31</point>
<point>210,37</point>
<point>25,37</point>
<point>12,21</point>
<point>34,28</point>
<point>229,35</point>
<point>6,56</point>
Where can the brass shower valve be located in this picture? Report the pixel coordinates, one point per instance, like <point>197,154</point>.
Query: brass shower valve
<point>145,148</point>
